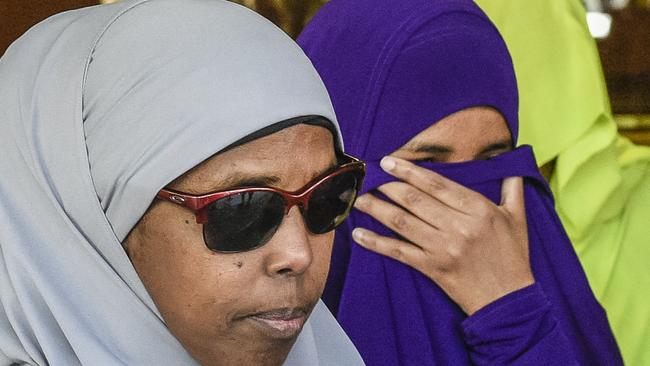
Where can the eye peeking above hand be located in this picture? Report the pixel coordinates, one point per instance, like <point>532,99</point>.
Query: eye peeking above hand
<point>454,158</point>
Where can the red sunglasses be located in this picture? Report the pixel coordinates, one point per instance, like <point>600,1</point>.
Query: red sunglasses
<point>242,219</point>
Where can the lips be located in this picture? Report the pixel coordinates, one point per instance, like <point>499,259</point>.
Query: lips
<point>282,323</point>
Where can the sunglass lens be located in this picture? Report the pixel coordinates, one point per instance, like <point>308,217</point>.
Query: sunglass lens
<point>331,202</point>
<point>243,221</point>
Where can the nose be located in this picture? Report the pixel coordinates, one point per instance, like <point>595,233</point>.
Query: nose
<point>290,252</point>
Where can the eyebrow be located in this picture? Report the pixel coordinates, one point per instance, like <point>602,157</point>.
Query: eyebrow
<point>245,180</point>
<point>430,148</point>
<point>501,145</point>
<point>242,180</point>
<point>442,149</point>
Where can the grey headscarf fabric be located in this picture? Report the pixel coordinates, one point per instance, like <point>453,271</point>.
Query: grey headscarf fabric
<point>99,109</point>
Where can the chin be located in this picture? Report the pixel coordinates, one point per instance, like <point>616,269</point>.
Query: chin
<point>246,352</point>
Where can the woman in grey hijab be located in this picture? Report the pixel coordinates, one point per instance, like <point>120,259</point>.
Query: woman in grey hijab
<point>114,118</point>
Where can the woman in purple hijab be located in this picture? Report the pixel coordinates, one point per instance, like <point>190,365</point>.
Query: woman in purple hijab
<point>445,275</point>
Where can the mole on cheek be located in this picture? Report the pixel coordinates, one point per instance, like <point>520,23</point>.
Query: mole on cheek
<point>239,264</point>
<point>187,221</point>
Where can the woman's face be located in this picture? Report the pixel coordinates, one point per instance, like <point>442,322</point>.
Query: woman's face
<point>241,308</point>
<point>477,133</point>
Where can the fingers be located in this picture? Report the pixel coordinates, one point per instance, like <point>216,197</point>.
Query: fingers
<point>402,222</point>
<point>512,197</point>
<point>406,253</point>
<point>422,205</point>
<point>445,190</point>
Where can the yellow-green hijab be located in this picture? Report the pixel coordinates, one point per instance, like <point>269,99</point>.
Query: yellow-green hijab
<point>601,180</point>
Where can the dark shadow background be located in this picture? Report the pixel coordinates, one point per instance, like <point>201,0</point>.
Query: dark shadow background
<point>17,16</point>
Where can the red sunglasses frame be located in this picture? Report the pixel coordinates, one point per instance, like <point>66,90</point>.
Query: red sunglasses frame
<point>198,203</point>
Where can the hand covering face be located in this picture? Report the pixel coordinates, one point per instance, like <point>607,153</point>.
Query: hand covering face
<point>100,108</point>
<point>392,69</point>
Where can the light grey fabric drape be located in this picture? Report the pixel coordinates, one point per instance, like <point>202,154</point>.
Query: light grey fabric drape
<point>99,109</point>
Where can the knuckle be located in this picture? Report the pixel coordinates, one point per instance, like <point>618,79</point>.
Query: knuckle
<point>466,231</point>
<point>455,252</point>
<point>472,235</point>
<point>487,222</point>
<point>448,263</point>
<point>412,196</point>
<point>435,182</point>
<point>407,171</point>
<point>399,221</point>
<point>475,230</point>
<point>397,253</point>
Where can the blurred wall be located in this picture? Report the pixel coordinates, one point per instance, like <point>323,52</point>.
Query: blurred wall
<point>17,16</point>
<point>626,60</point>
<point>290,15</point>
<point>625,54</point>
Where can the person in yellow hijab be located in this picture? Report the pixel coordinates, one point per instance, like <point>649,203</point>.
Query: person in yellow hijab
<point>601,180</point>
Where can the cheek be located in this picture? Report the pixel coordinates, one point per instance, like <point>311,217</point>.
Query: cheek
<point>196,290</point>
<point>322,251</point>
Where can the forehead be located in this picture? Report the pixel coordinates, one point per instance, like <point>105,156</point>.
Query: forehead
<point>466,127</point>
<point>291,157</point>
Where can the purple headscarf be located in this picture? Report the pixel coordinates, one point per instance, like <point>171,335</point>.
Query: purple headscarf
<point>392,69</point>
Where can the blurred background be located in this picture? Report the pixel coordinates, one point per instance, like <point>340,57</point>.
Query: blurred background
<point>621,28</point>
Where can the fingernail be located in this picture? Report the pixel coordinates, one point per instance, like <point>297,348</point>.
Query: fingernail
<point>361,201</point>
<point>357,235</point>
<point>387,163</point>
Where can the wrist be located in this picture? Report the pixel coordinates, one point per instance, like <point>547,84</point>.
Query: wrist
<point>494,294</point>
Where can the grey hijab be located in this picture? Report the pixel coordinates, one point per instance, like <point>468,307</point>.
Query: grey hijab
<point>99,109</point>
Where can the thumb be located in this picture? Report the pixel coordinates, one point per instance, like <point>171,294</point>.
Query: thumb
<point>512,196</point>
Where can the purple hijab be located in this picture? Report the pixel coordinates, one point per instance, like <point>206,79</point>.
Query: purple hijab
<point>392,69</point>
